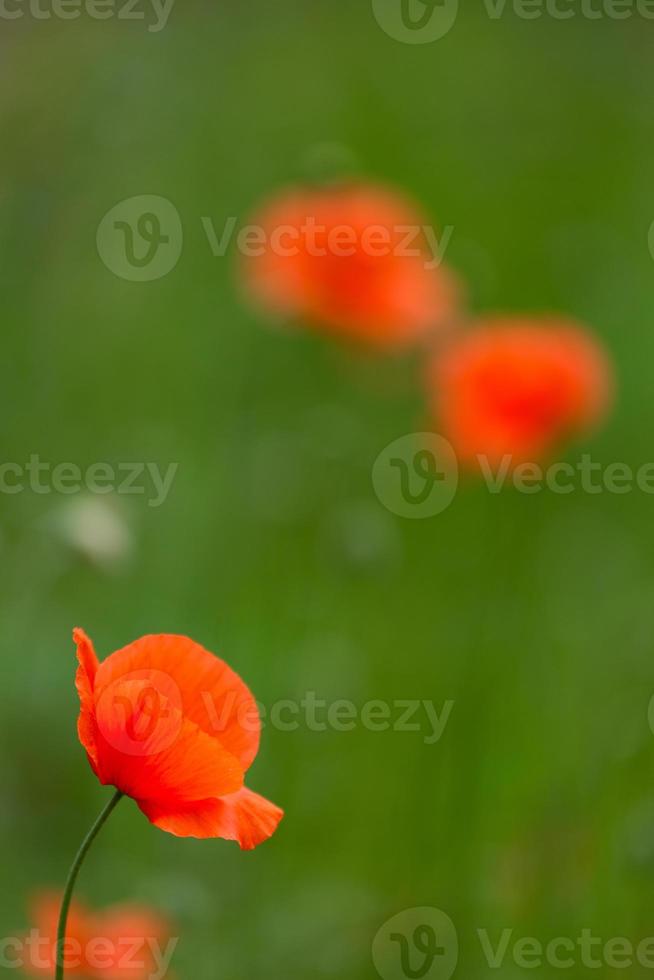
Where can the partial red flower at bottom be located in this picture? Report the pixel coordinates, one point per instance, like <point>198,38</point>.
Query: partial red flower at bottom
<point>517,387</point>
<point>173,727</point>
<point>116,944</point>
<point>352,260</point>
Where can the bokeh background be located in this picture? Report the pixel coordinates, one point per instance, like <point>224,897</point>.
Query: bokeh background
<point>534,614</point>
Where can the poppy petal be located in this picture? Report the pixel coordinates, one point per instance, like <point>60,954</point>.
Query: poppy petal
<point>150,751</point>
<point>376,287</point>
<point>84,682</point>
<point>117,944</point>
<point>130,934</point>
<point>244,817</point>
<point>41,948</point>
<point>86,654</point>
<point>44,909</point>
<point>516,387</point>
<point>213,696</point>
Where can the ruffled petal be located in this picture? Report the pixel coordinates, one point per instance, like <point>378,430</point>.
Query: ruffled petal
<point>150,751</point>
<point>212,695</point>
<point>244,817</point>
<point>84,682</point>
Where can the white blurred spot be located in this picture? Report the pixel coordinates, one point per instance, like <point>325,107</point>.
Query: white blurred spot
<point>95,529</point>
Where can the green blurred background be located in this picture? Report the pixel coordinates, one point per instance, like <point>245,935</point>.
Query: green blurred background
<point>535,810</point>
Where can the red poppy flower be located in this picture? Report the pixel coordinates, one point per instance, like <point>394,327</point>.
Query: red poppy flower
<point>172,726</point>
<point>517,387</point>
<point>118,944</point>
<point>352,260</point>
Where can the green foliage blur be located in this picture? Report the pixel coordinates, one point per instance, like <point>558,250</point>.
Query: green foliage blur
<point>533,613</point>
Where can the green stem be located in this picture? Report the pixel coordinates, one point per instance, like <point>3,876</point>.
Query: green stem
<point>72,878</point>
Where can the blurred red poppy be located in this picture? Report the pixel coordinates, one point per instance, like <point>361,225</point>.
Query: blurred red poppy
<point>517,386</point>
<point>356,260</point>
<point>172,726</point>
<point>124,942</point>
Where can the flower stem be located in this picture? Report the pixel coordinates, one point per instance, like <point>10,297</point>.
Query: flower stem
<point>72,878</point>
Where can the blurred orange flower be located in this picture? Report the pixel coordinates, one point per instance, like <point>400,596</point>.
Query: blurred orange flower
<point>517,386</point>
<point>356,260</point>
<point>172,726</point>
<point>123,943</point>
